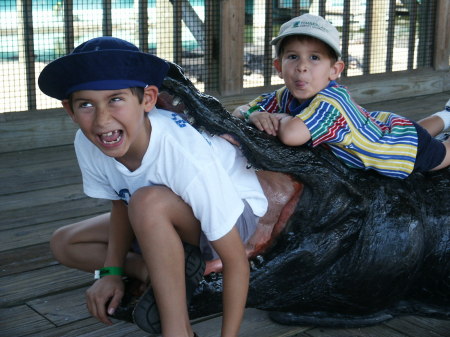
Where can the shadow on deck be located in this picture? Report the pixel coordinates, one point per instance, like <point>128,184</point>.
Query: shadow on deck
<point>41,191</point>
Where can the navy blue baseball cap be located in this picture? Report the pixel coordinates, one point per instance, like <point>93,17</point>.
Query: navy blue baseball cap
<point>102,63</point>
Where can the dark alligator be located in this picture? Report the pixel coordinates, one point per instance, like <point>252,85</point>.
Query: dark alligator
<point>341,247</point>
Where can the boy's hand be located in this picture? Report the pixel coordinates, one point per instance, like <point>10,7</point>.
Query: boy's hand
<point>104,296</point>
<point>268,122</point>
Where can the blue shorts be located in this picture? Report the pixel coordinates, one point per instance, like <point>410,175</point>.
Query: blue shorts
<point>430,152</point>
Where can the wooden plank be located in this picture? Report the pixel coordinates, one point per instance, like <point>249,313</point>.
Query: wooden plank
<point>73,211</point>
<point>72,330</point>
<point>62,308</point>
<point>20,288</point>
<point>439,326</point>
<point>21,260</point>
<point>27,236</point>
<point>11,160</point>
<point>371,331</point>
<point>24,179</point>
<point>91,327</point>
<point>30,235</point>
<point>21,321</point>
<point>255,323</point>
<point>119,329</point>
<point>39,130</point>
<point>399,85</point>
<point>41,197</point>
<point>418,108</point>
<point>410,329</point>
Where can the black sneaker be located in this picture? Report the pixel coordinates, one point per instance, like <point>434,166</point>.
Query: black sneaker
<point>124,311</point>
<point>146,315</point>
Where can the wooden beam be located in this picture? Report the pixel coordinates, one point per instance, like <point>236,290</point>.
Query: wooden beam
<point>211,56</point>
<point>268,48</point>
<point>231,70</point>
<point>26,48</point>
<point>141,10</point>
<point>164,30</point>
<point>378,37</point>
<point>69,32</point>
<point>107,17</point>
<point>442,36</point>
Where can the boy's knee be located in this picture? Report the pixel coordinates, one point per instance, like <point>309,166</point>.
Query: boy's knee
<point>58,242</point>
<point>147,197</point>
<point>147,202</point>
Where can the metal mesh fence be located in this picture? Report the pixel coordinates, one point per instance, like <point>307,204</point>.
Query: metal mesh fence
<point>377,36</point>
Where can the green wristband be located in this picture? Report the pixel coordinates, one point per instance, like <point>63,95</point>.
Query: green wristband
<point>246,114</point>
<point>108,271</point>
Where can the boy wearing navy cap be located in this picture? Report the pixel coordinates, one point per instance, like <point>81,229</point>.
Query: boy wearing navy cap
<point>171,188</point>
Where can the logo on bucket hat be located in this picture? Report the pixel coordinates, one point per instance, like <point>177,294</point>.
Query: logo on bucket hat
<point>102,63</point>
<point>311,25</point>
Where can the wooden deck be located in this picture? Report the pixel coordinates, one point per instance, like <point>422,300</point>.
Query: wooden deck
<point>41,191</point>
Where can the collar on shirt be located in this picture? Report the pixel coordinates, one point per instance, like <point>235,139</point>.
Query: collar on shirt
<point>296,107</point>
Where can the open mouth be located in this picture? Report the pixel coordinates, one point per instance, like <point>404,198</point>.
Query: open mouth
<point>283,193</point>
<point>111,137</point>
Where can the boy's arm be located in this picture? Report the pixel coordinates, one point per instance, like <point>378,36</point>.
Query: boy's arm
<point>263,120</point>
<point>293,131</point>
<point>110,288</point>
<point>239,111</point>
<point>236,274</point>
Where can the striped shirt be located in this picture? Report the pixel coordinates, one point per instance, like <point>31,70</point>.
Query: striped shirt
<point>382,141</point>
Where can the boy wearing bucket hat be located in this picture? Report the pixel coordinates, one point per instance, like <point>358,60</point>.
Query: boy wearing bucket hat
<point>171,188</point>
<point>313,109</point>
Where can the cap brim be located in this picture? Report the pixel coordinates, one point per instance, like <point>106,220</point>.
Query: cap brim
<point>101,70</point>
<point>276,41</point>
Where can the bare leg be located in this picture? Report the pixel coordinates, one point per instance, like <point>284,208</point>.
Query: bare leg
<point>161,220</point>
<point>433,124</point>
<point>83,246</point>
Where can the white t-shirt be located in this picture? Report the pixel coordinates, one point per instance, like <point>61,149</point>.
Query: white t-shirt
<point>207,172</point>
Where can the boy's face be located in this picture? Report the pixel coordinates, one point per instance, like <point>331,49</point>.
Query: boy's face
<point>306,67</point>
<point>114,120</point>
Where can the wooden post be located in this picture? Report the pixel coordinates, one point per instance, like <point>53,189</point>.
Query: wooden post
<point>69,32</point>
<point>379,36</point>
<point>211,56</point>
<point>345,37</point>
<point>263,31</point>
<point>268,48</point>
<point>442,36</point>
<point>26,48</point>
<point>231,58</point>
<point>164,30</point>
<point>177,31</point>
<point>107,17</point>
<point>141,13</point>
<point>390,36</point>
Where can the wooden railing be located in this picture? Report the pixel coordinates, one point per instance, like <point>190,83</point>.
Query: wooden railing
<point>221,60</point>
